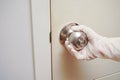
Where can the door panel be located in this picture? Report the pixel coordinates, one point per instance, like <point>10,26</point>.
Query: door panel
<point>102,16</point>
<point>115,76</point>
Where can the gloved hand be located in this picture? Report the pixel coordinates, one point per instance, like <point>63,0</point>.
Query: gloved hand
<point>97,47</point>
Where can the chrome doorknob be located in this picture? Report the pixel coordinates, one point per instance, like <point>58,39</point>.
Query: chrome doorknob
<point>77,38</point>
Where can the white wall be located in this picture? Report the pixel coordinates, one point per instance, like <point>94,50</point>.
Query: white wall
<point>16,62</point>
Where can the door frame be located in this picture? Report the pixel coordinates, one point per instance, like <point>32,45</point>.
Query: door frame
<point>40,14</point>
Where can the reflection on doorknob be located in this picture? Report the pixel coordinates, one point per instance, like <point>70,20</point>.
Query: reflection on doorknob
<point>77,38</point>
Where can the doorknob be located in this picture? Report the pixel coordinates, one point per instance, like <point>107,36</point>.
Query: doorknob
<point>77,38</point>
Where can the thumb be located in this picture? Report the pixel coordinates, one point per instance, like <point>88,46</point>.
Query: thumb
<point>91,34</point>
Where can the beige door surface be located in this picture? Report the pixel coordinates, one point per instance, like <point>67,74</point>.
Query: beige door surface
<point>115,76</point>
<point>103,16</point>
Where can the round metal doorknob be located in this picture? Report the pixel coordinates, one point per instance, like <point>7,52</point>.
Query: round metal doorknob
<point>77,38</point>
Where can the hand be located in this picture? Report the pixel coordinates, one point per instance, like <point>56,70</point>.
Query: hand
<point>94,48</point>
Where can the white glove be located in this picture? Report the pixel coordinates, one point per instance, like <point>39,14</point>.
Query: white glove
<point>97,47</point>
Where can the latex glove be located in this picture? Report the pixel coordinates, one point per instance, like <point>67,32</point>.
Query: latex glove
<point>97,47</point>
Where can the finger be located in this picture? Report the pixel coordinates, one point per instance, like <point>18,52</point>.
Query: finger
<point>68,46</point>
<point>91,34</point>
<point>67,43</point>
<point>89,55</point>
<point>86,54</point>
<point>79,54</point>
<point>75,28</point>
<point>72,50</point>
<point>80,28</point>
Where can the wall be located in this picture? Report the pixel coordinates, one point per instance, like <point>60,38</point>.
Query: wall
<point>16,62</point>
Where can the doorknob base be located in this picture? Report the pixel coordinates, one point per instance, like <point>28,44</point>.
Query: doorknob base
<point>78,39</point>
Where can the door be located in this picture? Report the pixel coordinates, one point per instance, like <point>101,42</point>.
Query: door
<point>41,28</point>
<point>115,76</point>
<point>103,16</point>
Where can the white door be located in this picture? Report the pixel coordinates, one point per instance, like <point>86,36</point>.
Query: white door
<point>41,29</point>
<point>101,15</point>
